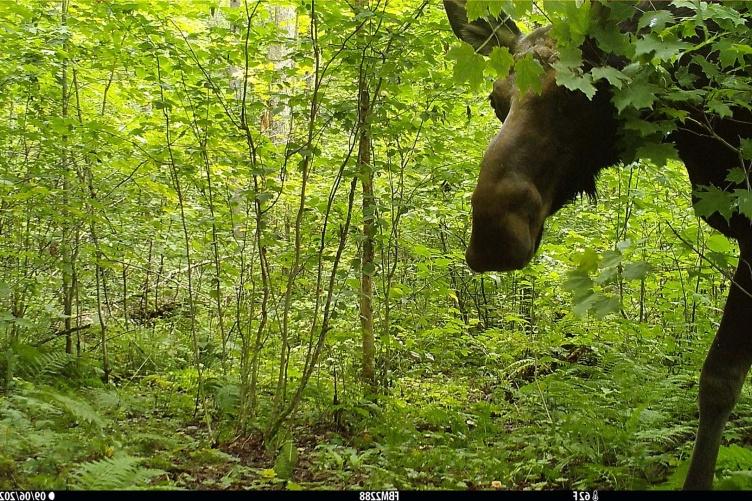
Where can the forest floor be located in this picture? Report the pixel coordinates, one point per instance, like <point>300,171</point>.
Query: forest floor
<point>595,417</point>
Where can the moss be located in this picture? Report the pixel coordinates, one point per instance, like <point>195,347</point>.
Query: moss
<point>210,456</point>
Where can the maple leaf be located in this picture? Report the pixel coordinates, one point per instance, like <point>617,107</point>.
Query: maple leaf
<point>737,175</point>
<point>468,66</point>
<point>658,153</point>
<point>655,19</point>
<point>528,74</point>
<point>605,305</point>
<point>480,8</point>
<point>663,49</point>
<point>634,271</point>
<point>501,60</point>
<point>711,200</point>
<point>744,202</point>
<point>745,146</point>
<point>572,81</point>
<point>639,96</point>
<point>614,76</point>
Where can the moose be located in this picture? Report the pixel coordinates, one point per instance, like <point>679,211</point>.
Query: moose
<point>551,147</point>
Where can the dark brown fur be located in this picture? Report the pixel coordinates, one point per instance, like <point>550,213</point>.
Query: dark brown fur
<point>551,147</point>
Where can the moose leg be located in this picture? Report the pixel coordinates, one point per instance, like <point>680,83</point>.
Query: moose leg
<point>723,375</point>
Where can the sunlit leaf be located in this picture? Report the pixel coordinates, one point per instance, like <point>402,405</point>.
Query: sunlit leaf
<point>528,72</point>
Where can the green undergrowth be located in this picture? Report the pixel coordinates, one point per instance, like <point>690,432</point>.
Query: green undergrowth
<point>551,412</point>
<point>609,415</point>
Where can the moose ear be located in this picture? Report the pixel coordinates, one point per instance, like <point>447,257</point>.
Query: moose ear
<point>483,33</point>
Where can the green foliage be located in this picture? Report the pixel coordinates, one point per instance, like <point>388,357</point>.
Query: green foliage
<point>184,227</point>
<point>611,270</point>
<point>480,8</point>
<point>124,472</point>
<point>711,200</point>
<point>529,73</point>
<point>286,460</point>
<point>80,410</point>
<point>735,463</point>
<point>615,77</point>
<point>501,61</point>
<point>468,65</point>
<point>37,364</point>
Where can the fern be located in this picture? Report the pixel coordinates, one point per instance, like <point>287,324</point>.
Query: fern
<point>45,364</point>
<point>123,472</point>
<point>31,401</point>
<point>667,436</point>
<point>79,409</point>
<point>735,457</point>
<point>14,425</point>
<point>150,442</point>
<point>102,398</point>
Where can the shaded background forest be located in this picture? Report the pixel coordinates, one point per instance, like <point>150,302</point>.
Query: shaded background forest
<point>231,256</point>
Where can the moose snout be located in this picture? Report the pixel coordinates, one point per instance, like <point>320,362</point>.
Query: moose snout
<point>499,245</point>
<point>506,228</point>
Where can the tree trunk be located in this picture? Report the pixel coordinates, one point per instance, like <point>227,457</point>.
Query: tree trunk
<point>277,118</point>
<point>367,265</point>
<point>66,239</point>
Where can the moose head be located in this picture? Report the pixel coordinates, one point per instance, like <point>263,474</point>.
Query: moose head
<point>550,147</point>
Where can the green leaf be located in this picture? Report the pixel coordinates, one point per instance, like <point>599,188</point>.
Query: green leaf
<point>639,96</point>
<point>644,127</point>
<point>615,77</point>
<point>659,154</point>
<point>718,243</point>
<point>605,305</point>
<point>745,147</point>
<point>571,57</point>
<point>606,275</point>
<point>610,258</point>
<point>744,202</point>
<point>719,12</point>
<point>572,81</point>
<point>119,472</point>
<point>624,244</point>
<point>737,175</point>
<point>720,108</point>
<point>730,53</point>
<point>468,66</point>
<point>662,50</point>
<point>480,8</point>
<point>501,61</point>
<point>612,41</point>
<point>655,19</point>
<point>685,78</point>
<point>571,22</point>
<point>634,271</point>
<point>286,460</point>
<point>711,200</point>
<point>369,269</point>
<point>528,73</point>
<point>588,260</point>
<point>515,8</point>
<point>708,68</point>
<point>577,281</point>
<point>583,305</point>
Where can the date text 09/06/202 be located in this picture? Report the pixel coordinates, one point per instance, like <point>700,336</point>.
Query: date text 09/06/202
<point>26,496</point>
